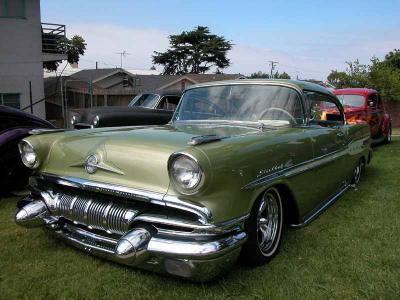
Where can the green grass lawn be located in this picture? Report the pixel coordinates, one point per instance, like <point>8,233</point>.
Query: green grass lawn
<point>351,251</point>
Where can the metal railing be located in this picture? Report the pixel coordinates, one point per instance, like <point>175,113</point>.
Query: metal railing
<point>53,38</point>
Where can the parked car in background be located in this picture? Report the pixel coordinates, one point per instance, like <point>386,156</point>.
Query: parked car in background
<point>144,109</point>
<point>238,160</point>
<point>15,125</point>
<point>365,105</point>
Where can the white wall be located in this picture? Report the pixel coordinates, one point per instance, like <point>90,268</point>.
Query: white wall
<point>21,57</point>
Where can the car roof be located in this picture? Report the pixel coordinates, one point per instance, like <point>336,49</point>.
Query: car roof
<point>298,84</point>
<point>355,91</point>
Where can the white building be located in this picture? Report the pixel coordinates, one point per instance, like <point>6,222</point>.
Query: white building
<point>25,44</point>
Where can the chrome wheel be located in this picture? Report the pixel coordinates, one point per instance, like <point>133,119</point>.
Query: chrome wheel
<point>269,222</point>
<point>389,137</point>
<point>357,172</point>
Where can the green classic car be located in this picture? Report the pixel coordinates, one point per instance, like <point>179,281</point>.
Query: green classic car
<point>239,160</point>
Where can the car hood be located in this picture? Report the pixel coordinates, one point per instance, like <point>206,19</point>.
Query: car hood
<point>136,157</point>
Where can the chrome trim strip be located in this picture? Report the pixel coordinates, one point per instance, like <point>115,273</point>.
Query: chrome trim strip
<point>297,169</point>
<point>102,187</point>
<point>152,197</point>
<point>320,209</point>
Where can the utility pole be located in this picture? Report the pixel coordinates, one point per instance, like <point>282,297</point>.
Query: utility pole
<point>122,54</point>
<point>273,65</point>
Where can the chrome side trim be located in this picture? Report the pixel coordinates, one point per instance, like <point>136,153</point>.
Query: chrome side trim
<point>156,198</point>
<point>297,169</point>
<point>320,209</point>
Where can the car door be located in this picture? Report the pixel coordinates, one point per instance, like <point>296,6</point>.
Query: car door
<point>329,137</point>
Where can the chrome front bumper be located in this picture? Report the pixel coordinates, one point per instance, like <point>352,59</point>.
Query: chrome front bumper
<point>200,258</point>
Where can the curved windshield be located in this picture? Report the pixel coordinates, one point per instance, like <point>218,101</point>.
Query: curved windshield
<point>145,100</point>
<point>352,100</point>
<point>267,104</point>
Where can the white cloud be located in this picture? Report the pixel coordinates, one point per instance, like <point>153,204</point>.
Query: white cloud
<point>308,55</point>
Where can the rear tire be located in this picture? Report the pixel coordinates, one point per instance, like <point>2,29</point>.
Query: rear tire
<point>264,229</point>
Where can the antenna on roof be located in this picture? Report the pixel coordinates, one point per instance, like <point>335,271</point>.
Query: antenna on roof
<point>123,54</point>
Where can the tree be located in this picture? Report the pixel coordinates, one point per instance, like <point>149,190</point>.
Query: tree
<point>75,48</point>
<point>386,79</point>
<point>356,75</point>
<point>259,74</point>
<point>384,76</point>
<point>195,51</point>
<point>262,75</point>
<point>392,59</point>
<point>339,79</point>
<point>283,75</point>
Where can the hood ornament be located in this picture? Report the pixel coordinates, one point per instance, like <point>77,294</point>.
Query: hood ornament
<point>91,164</point>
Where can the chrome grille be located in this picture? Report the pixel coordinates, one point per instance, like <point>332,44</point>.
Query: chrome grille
<point>97,214</point>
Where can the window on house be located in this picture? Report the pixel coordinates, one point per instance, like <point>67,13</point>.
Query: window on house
<point>12,100</point>
<point>12,8</point>
<point>137,81</point>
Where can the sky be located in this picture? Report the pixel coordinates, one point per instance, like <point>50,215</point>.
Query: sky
<point>307,38</point>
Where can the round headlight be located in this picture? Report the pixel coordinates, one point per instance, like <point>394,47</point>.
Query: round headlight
<point>186,174</point>
<point>73,120</point>
<point>96,121</point>
<point>28,155</point>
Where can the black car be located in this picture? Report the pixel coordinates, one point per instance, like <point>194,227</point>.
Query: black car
<point>144,109</point>
<point>14,126</point>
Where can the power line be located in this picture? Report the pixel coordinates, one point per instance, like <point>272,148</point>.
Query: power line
<point>123,54</point>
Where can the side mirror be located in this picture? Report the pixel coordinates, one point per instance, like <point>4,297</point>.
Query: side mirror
<point>371,103</point>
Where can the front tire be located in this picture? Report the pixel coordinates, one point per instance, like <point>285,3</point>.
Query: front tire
<point>264,229</point>
<point>357,172</point>
<point>389,136</point>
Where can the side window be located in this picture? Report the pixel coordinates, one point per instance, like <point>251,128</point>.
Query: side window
<point>169,103</point>
<point>323,111</point>
<point>372,101</point>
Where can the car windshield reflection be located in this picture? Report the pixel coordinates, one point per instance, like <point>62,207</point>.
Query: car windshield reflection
<point>269,105</point>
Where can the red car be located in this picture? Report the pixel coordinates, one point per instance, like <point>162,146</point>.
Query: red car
<point>365,105</point>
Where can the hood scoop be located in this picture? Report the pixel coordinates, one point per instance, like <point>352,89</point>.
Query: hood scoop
<point>203,139</point>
